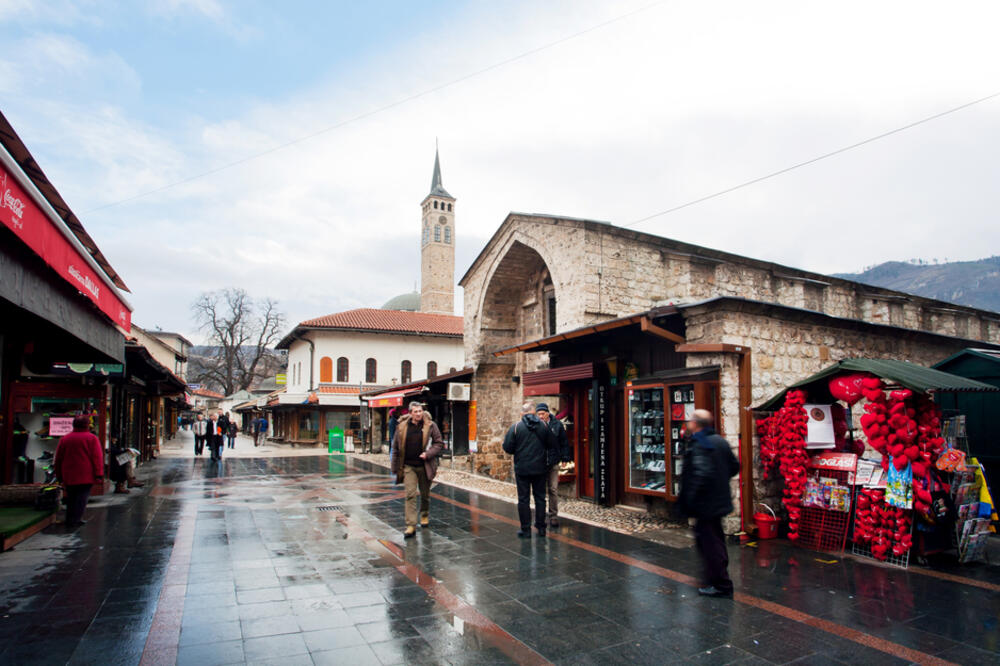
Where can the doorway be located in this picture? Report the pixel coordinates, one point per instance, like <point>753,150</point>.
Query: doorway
<point>578,431</point>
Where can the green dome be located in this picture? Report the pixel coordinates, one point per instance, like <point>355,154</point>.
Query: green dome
<point>409,302</point>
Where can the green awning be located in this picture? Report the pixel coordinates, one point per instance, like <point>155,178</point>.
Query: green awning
<point>902,373</point>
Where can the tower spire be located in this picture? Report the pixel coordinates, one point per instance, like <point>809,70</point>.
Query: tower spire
<point>437,188</point>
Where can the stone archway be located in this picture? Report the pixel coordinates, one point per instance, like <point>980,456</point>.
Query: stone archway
<point>513,309</point>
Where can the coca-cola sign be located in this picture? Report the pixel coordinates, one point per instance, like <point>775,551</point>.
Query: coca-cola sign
<point>29,223</point>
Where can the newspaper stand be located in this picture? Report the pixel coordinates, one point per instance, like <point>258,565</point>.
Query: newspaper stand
<point>823,528</point>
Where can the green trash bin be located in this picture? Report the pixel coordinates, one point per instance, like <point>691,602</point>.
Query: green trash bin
<point>336,440</point>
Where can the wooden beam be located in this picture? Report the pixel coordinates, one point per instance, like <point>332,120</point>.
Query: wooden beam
<point>648,326</point>
<point>713,348</point>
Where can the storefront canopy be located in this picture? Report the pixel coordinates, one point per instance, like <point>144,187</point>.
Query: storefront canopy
<point>909,375</point>
<point>392,398</point>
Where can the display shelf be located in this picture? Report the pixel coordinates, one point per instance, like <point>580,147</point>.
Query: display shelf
<point>647,469</point>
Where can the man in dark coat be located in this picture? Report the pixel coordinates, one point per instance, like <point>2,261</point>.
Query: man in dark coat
<point>213,436</point>
<point>709,463</point>
<point>560,453</point>
<point>530,442</point>
<point>415,461</point>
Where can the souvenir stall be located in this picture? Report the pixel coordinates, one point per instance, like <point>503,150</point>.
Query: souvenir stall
<point>867,458</point>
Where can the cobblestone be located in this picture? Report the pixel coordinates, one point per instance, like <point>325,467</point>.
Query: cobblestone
<point>617,518</point>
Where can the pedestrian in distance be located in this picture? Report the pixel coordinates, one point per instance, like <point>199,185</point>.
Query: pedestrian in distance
<point>709,464</point>
<point>530,442</point>
<point>213,435</point>
<point>231,433</point>
<point>560,453</point>
<point>200,431</point>
<point>417,444</point>
<point>392,425</point>
<point>78,464</point>
<point>261,427</point>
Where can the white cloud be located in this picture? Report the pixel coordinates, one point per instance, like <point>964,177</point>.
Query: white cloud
<point>649,112</point>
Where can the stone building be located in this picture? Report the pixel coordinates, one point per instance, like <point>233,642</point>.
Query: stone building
<point>592,316</point>
<point>437,248</point>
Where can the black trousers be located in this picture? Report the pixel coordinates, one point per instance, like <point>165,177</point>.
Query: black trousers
<point>199,444</point>
<point>215,444</point>
<point>535,485</point>
<point>711,543</point>
<point>76,502</point>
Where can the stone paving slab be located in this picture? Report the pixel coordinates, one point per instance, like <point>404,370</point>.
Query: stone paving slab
<point>301,560</point>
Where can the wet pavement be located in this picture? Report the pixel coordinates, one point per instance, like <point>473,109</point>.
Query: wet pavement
<point>302,561</point>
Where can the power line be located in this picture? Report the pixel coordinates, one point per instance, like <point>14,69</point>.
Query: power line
<point>810,161</point>
<point>386,107</point>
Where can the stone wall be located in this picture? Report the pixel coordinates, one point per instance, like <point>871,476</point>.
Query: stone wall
<point>600,272</point>
<point>785,350</point>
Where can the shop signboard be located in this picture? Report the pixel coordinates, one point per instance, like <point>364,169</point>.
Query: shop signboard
<point>602,473</point>
<point>281,379</point>
<point>29,223</point>
<point>60,425</point>
<point>836,462</point>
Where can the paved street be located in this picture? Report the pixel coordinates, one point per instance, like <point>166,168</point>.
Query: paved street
<point>300,560</point>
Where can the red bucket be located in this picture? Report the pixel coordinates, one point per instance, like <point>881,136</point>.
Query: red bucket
<point>767,526</point>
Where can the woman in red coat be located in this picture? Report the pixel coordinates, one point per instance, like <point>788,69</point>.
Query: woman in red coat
<point>79,464</point>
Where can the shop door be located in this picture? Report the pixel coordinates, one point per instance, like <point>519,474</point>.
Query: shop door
<point>580,437</point>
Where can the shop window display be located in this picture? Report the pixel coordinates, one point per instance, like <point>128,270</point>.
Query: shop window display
<point>38,432</point>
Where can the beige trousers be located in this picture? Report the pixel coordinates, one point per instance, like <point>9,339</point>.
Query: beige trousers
<point>552,493</point>
<point>415,484</point>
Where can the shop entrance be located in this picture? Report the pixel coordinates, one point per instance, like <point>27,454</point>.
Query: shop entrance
<point>579,396</point>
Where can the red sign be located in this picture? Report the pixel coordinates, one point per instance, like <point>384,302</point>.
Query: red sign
<point>846,462</point>
<point>20,214</point>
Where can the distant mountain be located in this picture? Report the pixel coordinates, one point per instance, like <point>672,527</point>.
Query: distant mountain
<point>972,283</point>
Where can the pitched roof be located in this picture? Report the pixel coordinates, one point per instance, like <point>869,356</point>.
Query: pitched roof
<point>208,393</point>
<point>437,187</point>
<point>384,321</point>
<point>344,390</point>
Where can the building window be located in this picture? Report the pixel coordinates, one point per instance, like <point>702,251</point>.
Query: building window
<point>449,208</point>
<point>370,371</point>
<point>550,312</point>
<point>432,369</point>
<point>342,367</point>
<point>437,234</point>
<point>405,372</point>
<point>447,235</point>
<point>435,205</point>
<point>325,370</point>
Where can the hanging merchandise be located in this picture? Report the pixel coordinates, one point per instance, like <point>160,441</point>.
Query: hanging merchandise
<point>899,487</point>
<point>792,421</point>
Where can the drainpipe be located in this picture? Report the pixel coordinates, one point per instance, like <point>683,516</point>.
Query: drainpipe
<point>745,376</point>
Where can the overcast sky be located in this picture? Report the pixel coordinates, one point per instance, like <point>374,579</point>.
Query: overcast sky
<point>659,107</point>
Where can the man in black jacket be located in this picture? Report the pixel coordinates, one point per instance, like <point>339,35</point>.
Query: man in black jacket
<point>559,453</point>
<point>709,463</point>
<point>530,441</point>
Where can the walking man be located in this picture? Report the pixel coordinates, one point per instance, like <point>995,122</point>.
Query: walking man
<point>79,464</point>
<point>231,433</point>
<point>530,441</point>
<point>200,429</point>
<point>709,463</point>
<point>261,425</point>
<point>213,434</point>
<point>559,453</point>
<point>416,446</point>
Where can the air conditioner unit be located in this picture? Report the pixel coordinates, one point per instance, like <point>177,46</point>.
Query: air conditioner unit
<point>459,392</point>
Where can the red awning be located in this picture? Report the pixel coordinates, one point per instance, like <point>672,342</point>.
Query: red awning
<point>390,399</point>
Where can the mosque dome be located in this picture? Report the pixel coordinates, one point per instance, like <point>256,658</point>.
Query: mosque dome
<point>409,302</point>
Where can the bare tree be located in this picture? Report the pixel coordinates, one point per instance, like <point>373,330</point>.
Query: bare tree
<point>241,332</point>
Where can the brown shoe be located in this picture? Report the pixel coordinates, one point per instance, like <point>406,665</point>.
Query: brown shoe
<point>425,521</point>
<point>410,532</point>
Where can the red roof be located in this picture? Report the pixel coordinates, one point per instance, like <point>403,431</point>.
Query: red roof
<point>394,321</point>
<point>206,393</point>
<point>345,390</point>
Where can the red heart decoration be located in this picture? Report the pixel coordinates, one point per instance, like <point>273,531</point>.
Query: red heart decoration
<point>847,388</point>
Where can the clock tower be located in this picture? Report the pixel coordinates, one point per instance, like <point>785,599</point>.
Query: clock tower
<point>437,247</point>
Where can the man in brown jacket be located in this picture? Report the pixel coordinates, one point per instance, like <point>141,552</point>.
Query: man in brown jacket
<point>415,450</point>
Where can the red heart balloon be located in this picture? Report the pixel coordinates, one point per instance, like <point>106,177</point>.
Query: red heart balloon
<point>847,388</point>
